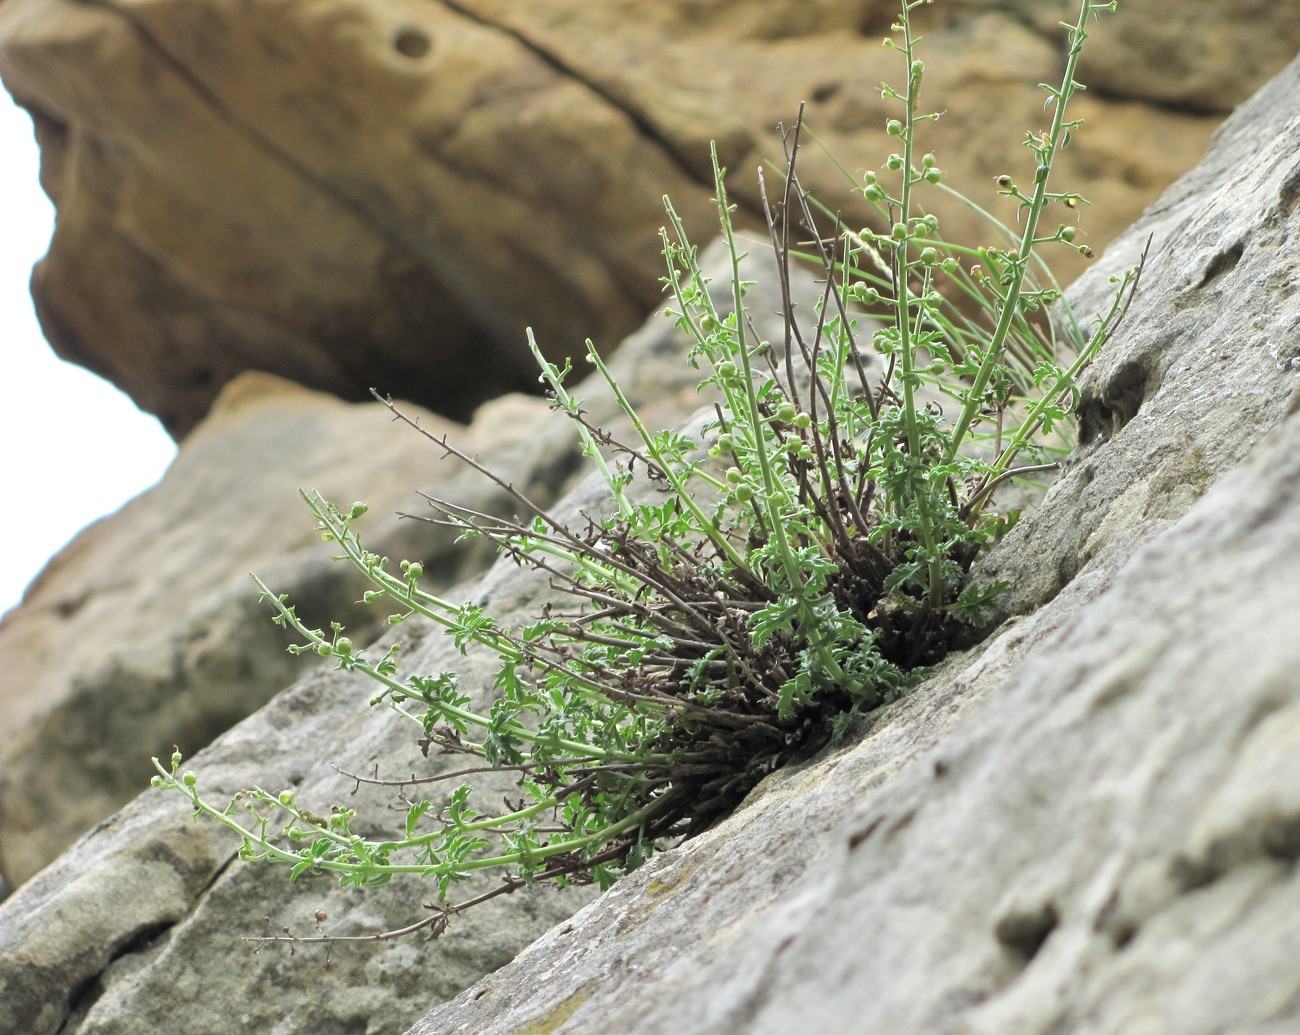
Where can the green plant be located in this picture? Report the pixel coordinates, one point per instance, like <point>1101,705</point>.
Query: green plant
<point>753,590</point>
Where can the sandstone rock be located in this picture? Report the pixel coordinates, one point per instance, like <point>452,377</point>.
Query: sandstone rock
<point>1195,55</point>
<point>1088,824</point>
<point>353,194</point>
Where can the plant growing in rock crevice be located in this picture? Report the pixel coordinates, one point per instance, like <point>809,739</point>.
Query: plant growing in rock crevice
<point>756,585</point>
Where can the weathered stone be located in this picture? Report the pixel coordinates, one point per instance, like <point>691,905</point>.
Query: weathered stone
<point>1194,55</point>
<point>357,194</point>
<point>1088,824</point>
<point>145,632</point>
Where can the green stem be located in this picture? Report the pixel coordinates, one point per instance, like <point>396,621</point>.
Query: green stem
<point>776,501</point>
<point>263,844</point>
<point>590,449</point>
<point>1046,155</point>
<point>922,491</point>
<point>680,489</point>
<point>464,715</point>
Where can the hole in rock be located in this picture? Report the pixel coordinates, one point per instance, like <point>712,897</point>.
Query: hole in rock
<point>1289,196</point>
<point>412,43</point>
<point>1222,263</point>
<point>1101,417</point>
<point>1023,932</point>
<point>823,92</point>
<point>1282,837</point>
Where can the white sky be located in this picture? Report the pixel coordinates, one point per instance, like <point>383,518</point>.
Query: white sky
<point>72,447</point>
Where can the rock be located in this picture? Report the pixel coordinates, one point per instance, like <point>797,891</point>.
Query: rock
<point>1089,823</point>
<point>1190,54</point>
<point>149,912</point>
<point>146,632</point>
<point>384,194</point>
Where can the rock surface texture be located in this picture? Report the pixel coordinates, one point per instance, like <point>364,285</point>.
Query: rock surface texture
<point>1092,822</point>
<point>143,633</point>
<point>356,193</point>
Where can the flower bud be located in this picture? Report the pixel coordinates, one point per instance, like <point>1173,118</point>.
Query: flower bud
<point>894,128</point>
